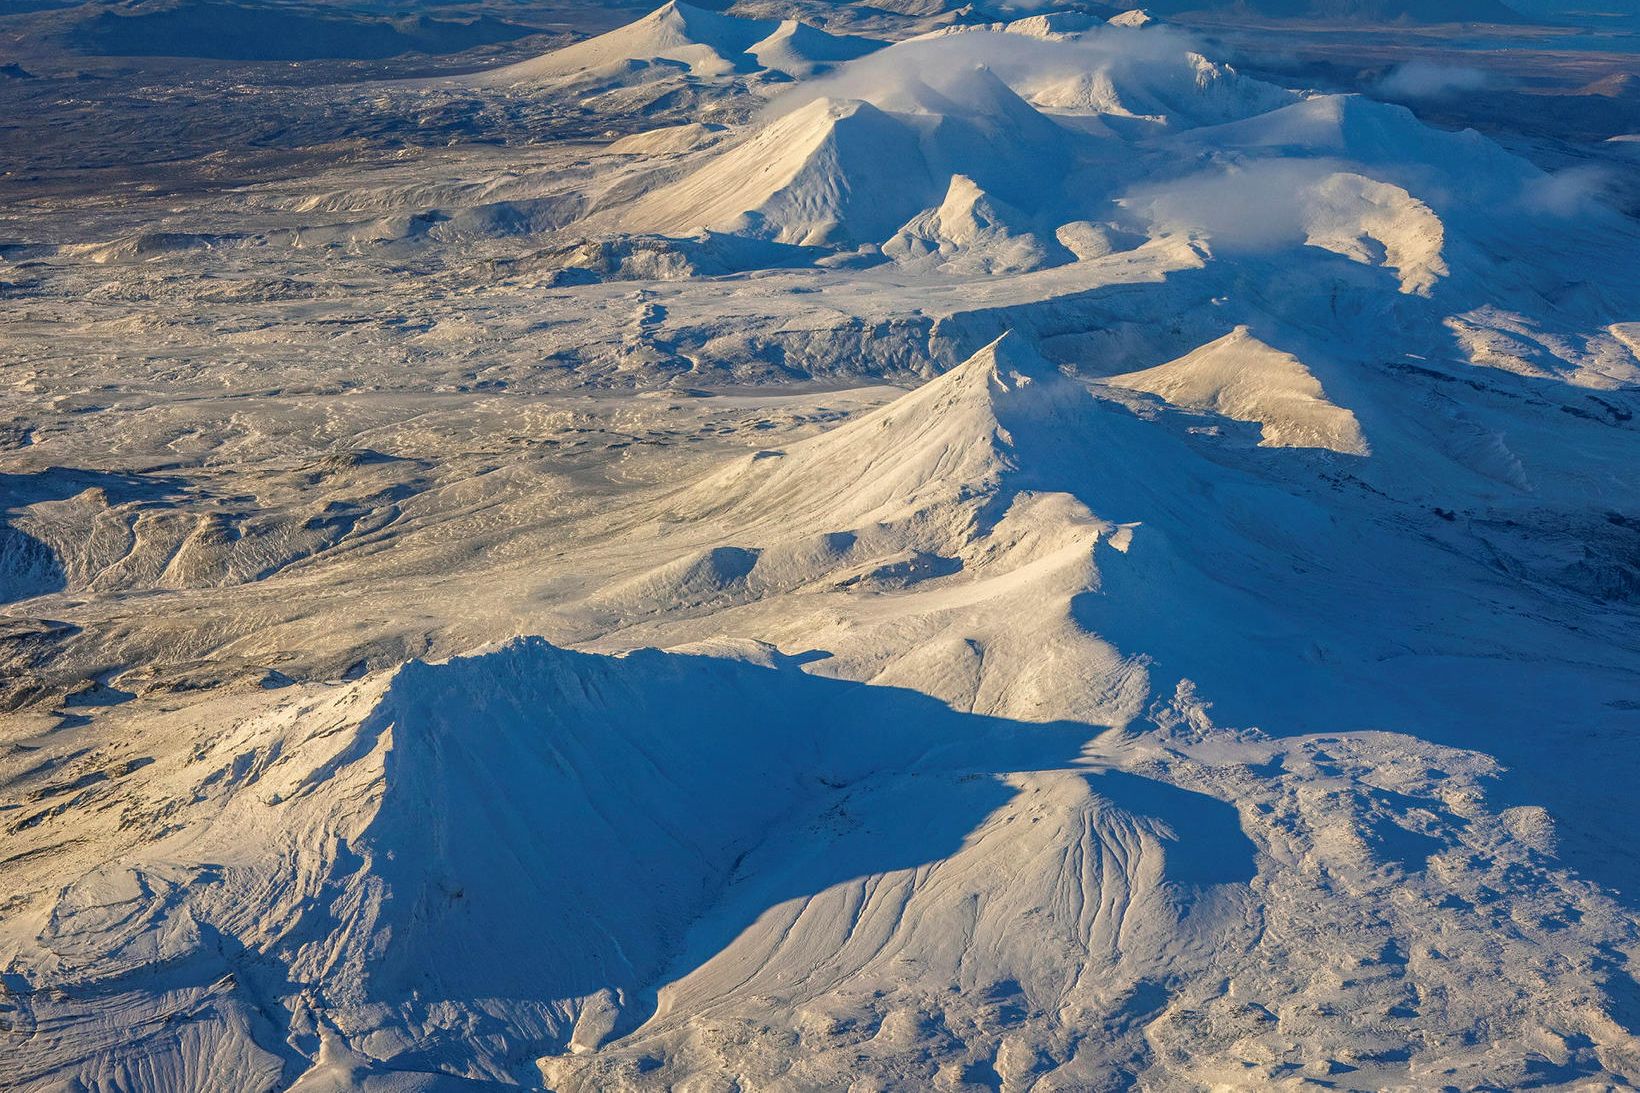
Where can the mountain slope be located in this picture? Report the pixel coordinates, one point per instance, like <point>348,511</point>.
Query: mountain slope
<point>759,865</point>
<point>1027,561</point>
<point>705,43</point>
<point>947,441</point>
<point>825,173</point>
<point>1242,378</point>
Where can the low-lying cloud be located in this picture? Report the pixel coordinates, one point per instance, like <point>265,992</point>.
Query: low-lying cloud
<point>1428,80</point>
<point>1574,191</point>
<point>892,77</point>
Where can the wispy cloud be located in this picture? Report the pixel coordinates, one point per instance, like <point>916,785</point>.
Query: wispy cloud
<point>1428,80</point>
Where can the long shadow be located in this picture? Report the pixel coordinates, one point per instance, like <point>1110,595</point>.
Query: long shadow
<point>553,823</point>
<point>1300,598</point>
<point>29,567</point>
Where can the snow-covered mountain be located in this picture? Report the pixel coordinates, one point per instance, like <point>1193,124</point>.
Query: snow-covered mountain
<point>693,40</point>
<point>1020,558</point>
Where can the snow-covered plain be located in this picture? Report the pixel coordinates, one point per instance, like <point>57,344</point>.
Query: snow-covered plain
<point>1018,558</point>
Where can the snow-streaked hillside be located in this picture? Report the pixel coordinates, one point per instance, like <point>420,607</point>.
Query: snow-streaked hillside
<point>1240,377</point>
<point>1023,558</point>
<point>704,43</point>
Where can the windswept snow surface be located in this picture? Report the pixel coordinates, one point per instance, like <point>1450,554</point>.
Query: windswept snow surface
<point>1022,559</point>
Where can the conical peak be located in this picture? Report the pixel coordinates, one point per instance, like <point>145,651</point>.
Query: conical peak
<point>1001,386</point>
<point>943,446</point>
<point>978,89</point>
<point>672,9</point>
<point>675,16</point>
<point>713,28</point>
<point>968,202</point>
<point>1010,365</point>
<point>823,113</point>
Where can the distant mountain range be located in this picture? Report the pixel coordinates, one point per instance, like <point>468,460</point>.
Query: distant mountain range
<point>258,30</point>
<point>226,30</point>
<point>1418,11</point>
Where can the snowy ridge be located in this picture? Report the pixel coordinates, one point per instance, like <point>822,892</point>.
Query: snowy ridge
<point>947,441</point>
<point>818,855</point>
<point>705,43</point>
<point>1026,560</point>
<point>801,180</point>
<point>402,810</point>
<point>948,515</point>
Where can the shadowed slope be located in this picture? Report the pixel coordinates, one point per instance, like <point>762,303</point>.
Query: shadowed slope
<point>507,852</point>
